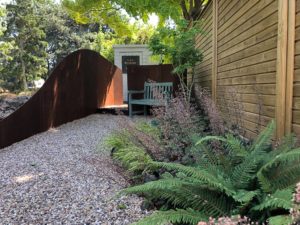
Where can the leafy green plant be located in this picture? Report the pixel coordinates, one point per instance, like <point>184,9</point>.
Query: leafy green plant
<point>132,157</point>
<point>178,124</point>
<point>178,45</point>
<point>253,181</point>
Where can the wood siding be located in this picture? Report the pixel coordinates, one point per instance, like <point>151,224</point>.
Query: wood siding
<point>252,55</point>
<point>296,88</point>
<point>203,70</point>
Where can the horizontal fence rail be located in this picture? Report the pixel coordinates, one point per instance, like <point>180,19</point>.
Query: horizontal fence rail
<point>251,53</point>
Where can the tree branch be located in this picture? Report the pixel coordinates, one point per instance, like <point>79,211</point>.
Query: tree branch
<point>191,7</point>
<point>184,10</point>
<point>198,4</point>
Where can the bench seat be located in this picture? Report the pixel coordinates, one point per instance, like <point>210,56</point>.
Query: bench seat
<point>146,102</point>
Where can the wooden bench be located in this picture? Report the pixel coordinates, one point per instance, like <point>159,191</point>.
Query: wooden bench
<point>150,96</point>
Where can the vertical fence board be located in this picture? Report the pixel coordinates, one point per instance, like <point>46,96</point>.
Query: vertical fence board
<point>203,70</point>
<point>290,66</point>
<point>259,58</point>
<point>281,67</point>
<point>215,50</point>
<point>296,83</point>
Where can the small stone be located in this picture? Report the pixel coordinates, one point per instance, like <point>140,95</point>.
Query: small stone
<point>65,184</point>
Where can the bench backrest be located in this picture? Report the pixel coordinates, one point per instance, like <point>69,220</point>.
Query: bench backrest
<point>158,90</point>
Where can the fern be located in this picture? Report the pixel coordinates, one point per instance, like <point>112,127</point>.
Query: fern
<point>154,186</point>
<point>204,200</point>
<point>235,147</point>
<point>243,174</point>
<point>280,220</point>
<point>288,143</point>
<point>210,138</point>
<point>281,172</point>
<point>149,129</point>
<point>181,193</point>
<point>209,202</point>
<point>207,153</point>
<point>280,199</point>
<point>233,144</point>
<point>247,180</point>
<point>181,216</point>
<point>133,158</point>
<point>244,196</point>
<point>264,139</point>
<point>202,175</point>
<point>118,140</point>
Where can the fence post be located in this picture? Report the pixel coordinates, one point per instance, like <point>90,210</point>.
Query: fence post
<point>281,69</point>
<point>215,51</point>
<point>290,65</point>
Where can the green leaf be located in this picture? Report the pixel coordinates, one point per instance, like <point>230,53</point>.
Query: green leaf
<point>244,196</point>
<point>281,172</point>
<point>264,139</point>
<point>202,175</point>
<point>280,199</point>
<point>280,220</point>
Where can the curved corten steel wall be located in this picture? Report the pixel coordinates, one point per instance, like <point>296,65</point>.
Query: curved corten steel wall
<point>83,82</point>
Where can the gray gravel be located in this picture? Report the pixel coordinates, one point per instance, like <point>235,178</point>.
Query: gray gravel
<point>65,176</point>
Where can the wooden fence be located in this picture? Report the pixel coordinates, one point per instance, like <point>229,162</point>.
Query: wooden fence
<point>251,55</point>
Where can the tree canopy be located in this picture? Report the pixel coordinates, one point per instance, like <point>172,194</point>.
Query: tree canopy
<point>32,44</point>
<point>86,10</point>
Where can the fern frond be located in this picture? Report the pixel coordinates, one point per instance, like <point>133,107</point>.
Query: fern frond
<point>184,194</point>
<point>244,196</point>
<point>280,220</point>
<point>181,216</point>
<point>202,175</point>
<point>210,202</point>
<point>118,140</point>
<point>287,144</point>
<point>280,199</point>
<point>204,200</point>
<point>210,138</point>
<point>264,140</point>
<point>149,129</point>
<point>155,186</point>
<point>205,148</point>
<point>205,151</point>
<point>244,173</point>
<point>235,146</point>
<point>281,172</point>
<point>203,163</point>
<point>133,158</point>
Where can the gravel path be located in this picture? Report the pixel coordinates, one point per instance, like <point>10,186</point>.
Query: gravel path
<point>64,176</point>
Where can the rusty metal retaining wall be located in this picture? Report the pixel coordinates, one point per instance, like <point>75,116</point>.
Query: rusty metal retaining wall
<point>83,82</point>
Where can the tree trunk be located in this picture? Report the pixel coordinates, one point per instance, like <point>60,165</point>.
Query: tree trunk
<point>22,80</point>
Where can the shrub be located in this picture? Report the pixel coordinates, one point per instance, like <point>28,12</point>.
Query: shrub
<point>134,146</point>
<point>178,124</point>
<point>209,108</point>
<point>252,181</point>
<point>132,157</point>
